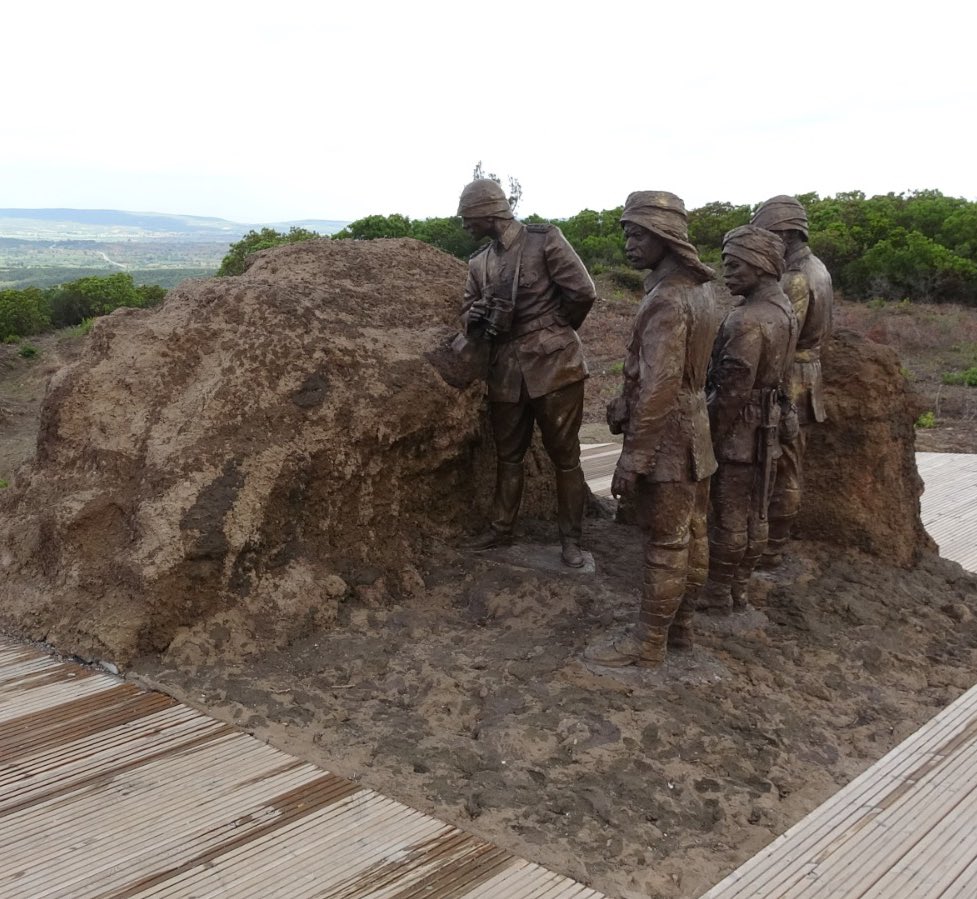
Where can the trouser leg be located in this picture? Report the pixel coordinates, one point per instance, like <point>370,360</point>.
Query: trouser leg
<point>512,428</point>
<point>665,515</point>
<point>757,527</point>
<point>680,635</point>
<point>731,493</point>
<point>559,415</point>
<point>785,500</point>
<point>664,512</point>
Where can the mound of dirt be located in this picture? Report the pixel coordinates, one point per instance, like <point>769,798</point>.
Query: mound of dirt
<point>254,452</point>
<point>861,487</point>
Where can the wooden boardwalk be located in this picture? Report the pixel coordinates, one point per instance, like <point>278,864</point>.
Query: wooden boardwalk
<point>950,504</point>
<point>907,827</point>
<point>108,790</point>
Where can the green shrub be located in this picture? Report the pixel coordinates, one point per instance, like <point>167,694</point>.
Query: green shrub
<point>968,378</point>
<point>23,312</point>
<point>627,278</point>
<point>926,420</point>
<point>236,260</point>
<point>27,351</point>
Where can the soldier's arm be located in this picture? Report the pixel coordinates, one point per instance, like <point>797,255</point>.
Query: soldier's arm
<point>661,360</point>
<point>473,291</point>
<point>570,274</point>
<point>732,373</point>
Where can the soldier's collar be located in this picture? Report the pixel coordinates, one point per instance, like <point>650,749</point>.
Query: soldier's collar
<point>655,277</point>
<point>797,254</point>
<point>510,234</point>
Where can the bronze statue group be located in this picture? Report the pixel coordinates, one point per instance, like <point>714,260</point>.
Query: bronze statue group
<point>714,410</point>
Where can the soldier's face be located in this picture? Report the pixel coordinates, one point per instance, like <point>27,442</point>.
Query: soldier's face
<point>478,227</point>
<point>740,276</point>
<point>643,248</point>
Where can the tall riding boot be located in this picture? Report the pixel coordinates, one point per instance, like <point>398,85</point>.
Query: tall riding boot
<point>751,555</point>
<point>723,563</point>
<point>505,507</point>
<point>646,644</point>
<point>681,634</point>
<point>661,600</point>
<point>773,553</point>
<point>571,495</point>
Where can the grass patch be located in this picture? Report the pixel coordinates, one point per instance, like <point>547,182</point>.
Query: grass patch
<point>967,378</point>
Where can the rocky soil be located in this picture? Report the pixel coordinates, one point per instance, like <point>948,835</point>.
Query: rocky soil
<point>251,498</point>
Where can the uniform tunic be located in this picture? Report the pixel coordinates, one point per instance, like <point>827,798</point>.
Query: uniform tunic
<point>554,294</point>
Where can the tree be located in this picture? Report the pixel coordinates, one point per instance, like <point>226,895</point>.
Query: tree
<point>236,260</point>
<point>515,188</point>
<point>708,225</point>
<point>376,226</point>
<point>72,303</point>
<point>23,312</point>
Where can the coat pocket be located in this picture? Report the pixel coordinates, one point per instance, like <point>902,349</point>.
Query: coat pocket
<point>554,341</point>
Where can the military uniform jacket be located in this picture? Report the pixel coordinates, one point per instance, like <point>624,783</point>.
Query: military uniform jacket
<point>553,294</point>
<point>666,432</point>
<point>808,287</point>
<point>753,354</point>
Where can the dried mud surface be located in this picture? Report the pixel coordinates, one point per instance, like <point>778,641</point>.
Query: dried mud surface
<point>454,682</point>
<point>472,703</point>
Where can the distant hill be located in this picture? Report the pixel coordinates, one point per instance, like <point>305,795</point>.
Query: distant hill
<point>114,225</point>
<point>44,247</point>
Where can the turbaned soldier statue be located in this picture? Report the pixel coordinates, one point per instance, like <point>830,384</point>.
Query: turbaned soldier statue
<point>667,456</point>
<point>808,287</point>
<point>750,364</point>
<point>527,294</point>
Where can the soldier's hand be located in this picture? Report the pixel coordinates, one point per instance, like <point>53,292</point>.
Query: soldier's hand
<point>478,310</point>
<point>617,414</point>
<point>623,483</point>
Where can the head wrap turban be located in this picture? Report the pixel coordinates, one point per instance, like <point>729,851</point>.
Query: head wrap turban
<point>664,214</point>
<point>757,246</point>
<point>781,213</point>
<point>484,199</point>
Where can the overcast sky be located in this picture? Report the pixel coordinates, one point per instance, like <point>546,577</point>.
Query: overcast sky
<point>291,110</point>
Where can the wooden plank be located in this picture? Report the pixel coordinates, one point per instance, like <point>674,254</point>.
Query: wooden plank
<point>107,790</point>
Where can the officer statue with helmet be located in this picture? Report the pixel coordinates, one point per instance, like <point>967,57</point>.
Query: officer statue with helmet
<point>527,293</point>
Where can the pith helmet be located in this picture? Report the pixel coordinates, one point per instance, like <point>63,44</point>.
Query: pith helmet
<point>484,198</point>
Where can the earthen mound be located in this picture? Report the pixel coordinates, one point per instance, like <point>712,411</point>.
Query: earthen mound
<point>861,487</point>
<point>255,451</point>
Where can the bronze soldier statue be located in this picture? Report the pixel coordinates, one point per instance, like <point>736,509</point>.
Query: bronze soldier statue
<point>808,287</point>
<point>746,396</point>
<point>528,293</point>
<point>667,457</point>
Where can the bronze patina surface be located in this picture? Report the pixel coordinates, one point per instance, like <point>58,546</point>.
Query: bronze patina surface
<point>527,293</point>
<point>808,287</point>
<point>750,364</point>
<point>667,457</point>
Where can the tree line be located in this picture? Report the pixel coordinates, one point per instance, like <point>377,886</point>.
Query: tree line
<point>919,245</point>
<point>34,310</point>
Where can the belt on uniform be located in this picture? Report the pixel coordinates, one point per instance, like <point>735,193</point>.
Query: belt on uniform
<point>537,324</point>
